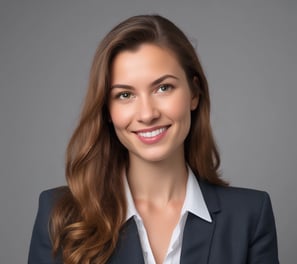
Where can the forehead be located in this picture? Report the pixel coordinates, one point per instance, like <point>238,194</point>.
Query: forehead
<point>147,61</point>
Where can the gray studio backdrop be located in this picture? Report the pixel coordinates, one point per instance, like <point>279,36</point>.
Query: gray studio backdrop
<point>248,50</point>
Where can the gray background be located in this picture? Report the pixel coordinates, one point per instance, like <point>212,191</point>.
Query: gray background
<point>248,50</point>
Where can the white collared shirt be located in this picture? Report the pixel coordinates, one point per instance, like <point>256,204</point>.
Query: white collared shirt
<point>194,203</point>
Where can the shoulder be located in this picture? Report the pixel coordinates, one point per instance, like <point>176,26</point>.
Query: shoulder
<point>47,200</point>
<point>236,196</point>
<point>230,195</point>
<point>51,195</point>
<point>243,215</point>
<point>41,245</point>
<point>236,202</point>
<point>247,205</point>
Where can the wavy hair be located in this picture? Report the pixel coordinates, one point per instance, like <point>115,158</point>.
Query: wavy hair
<point>87,218</point>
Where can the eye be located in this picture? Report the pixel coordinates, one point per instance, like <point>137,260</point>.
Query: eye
<point>124,95</point>
<point>164,88</point>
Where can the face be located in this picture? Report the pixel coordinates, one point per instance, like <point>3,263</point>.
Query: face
<point>150,103</point>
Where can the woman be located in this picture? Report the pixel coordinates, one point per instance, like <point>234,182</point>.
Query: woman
<point>142,166</point>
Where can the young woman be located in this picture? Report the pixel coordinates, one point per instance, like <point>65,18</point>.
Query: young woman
<point>142,166</point>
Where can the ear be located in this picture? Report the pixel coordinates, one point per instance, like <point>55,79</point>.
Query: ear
<point>195,96</point>
<point>194,102</point>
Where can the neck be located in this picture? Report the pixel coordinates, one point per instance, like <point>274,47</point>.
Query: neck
<point>158,182</point>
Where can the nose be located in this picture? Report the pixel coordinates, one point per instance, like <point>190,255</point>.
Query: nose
<point>148,111</point>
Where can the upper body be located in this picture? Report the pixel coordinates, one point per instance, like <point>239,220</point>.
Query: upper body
<point>242,231</point>
<point>147,115</point>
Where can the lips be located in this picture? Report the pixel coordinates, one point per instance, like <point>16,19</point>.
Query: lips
<point>152,135</point>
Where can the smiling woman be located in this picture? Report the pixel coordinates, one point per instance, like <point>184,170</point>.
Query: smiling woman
<point>142,166</point>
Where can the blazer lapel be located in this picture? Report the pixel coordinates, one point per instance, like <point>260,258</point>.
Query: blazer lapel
<point>198,233</point>
<point>128,249</point>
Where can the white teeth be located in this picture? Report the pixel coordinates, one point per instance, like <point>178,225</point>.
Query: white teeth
<point>152,133</point>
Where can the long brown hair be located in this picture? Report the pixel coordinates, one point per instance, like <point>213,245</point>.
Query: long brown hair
<point>87,218</point>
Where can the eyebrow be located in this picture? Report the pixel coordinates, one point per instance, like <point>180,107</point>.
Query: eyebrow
<point>154,83</point>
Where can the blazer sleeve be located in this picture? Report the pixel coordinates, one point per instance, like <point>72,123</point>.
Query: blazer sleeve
<point>263,246</point>
<point>40,251</point>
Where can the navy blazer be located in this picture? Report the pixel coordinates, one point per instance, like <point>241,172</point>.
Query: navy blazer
<point>242,231</point>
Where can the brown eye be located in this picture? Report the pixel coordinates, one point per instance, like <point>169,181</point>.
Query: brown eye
<point>164,88</point>
<point>124,95</point>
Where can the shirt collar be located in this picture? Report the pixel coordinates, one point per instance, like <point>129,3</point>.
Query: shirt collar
<point>131,209</point>
<point>194,201</point>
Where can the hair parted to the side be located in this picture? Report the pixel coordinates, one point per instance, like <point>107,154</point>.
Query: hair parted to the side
<point>88,216</point>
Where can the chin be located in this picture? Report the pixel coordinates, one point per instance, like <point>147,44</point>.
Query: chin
<point>155,156</point>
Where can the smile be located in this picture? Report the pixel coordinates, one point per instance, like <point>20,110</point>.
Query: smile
<point>153,133</point>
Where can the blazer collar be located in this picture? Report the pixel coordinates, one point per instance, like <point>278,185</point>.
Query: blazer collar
<point>210,196</point>
<point>128,249</point>
<point>198,234</point>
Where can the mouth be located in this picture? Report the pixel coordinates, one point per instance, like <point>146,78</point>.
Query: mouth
<point>152,135</point>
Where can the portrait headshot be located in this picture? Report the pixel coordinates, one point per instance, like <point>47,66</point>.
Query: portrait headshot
<point>148,133</point>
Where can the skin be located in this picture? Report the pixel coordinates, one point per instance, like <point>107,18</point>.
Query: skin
<point>150,107</point>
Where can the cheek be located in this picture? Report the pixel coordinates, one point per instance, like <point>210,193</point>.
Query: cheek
<point>180,109</point>
<point>119,117</point>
